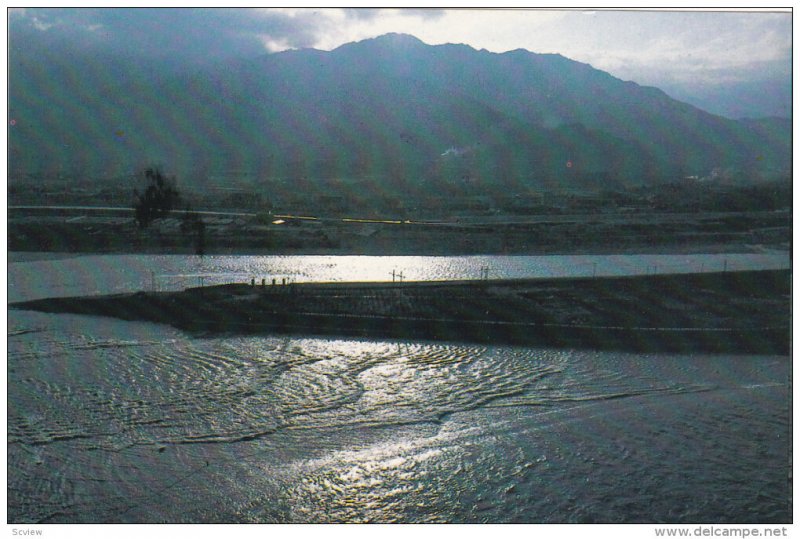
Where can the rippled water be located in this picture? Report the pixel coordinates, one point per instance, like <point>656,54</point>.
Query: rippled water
<point>113,421</point>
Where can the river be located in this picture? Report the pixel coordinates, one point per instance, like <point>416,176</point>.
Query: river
<point>114,421</point>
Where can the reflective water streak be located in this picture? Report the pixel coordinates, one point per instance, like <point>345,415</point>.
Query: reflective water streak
<point>98,274</point>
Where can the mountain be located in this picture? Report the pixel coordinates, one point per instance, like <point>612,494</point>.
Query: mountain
<point>392,109</point>
<point>770,96</point>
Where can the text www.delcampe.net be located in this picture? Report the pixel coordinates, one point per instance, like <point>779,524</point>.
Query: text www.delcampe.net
<point>722,531</point>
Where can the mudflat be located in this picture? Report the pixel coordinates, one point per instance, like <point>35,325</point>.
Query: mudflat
<point>727,312</point>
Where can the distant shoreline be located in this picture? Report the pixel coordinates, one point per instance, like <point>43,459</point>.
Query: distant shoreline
<point>584,234</point>
<point>734,248</point>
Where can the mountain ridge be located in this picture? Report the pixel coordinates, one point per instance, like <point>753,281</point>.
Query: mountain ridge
<point>387,108</point>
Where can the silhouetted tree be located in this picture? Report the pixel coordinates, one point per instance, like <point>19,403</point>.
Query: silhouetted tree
<point>158,199</point>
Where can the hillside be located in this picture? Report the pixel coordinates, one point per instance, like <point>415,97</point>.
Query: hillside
<point>390,108</point>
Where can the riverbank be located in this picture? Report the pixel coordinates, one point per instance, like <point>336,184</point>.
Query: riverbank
<point>730,312</point>
<point>599,233</point>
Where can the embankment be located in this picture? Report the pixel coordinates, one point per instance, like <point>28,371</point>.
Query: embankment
<point>735,312</point>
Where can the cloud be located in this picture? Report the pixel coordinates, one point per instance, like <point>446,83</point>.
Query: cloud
<point>677,45</point>
<point>374,13</point>
<point>188,34</point>
<point>363,14</point>
<point>200,34</point>
<point>649,47</point>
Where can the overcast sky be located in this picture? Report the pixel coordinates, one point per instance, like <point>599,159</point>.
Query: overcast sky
<point>653,48</point>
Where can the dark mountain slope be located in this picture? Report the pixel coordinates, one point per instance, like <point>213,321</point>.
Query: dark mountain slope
<point>549,90</point>
<point>390,108</point>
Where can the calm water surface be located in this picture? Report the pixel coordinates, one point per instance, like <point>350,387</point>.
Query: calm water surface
<point>113,421</point>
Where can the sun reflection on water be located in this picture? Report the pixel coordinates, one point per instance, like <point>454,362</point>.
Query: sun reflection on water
<point>384,482</point>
